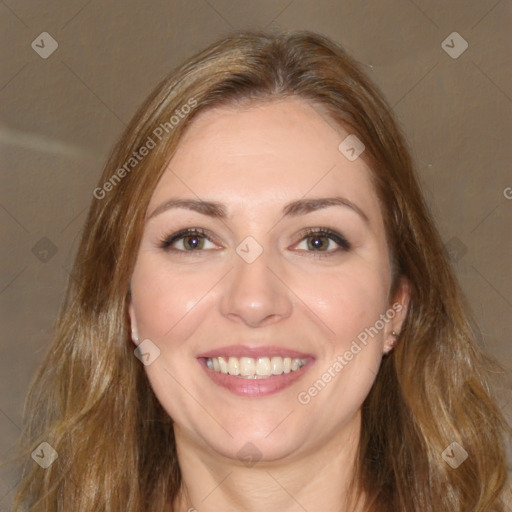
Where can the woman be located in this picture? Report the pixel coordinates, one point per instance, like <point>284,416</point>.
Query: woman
<point>261,312</point>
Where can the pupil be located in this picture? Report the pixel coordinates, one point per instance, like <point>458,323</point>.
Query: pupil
<point>317,242</point>
<point>193,242</point>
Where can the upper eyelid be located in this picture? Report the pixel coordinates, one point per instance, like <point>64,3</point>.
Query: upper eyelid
<point>183,233</point>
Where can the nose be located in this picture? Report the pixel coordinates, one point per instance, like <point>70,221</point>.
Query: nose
<point>255,294</point>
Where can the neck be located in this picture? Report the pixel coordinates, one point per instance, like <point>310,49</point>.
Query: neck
<point>318,479</point>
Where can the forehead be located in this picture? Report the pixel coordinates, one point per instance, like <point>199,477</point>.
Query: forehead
<point>265,152</point>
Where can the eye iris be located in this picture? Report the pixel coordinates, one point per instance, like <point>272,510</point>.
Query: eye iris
<point>317,242</point>
<point>193,241</point>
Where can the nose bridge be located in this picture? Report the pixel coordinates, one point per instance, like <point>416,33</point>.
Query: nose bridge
<point>254,294</point>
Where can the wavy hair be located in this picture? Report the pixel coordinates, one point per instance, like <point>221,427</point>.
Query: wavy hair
<point>91,399</point>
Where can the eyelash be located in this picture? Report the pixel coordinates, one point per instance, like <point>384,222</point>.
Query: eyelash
<point>344,245</point>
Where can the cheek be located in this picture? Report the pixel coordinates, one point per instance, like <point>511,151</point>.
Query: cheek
<point>347,301</point>
<point>162,299</point>
<point>350,303</point>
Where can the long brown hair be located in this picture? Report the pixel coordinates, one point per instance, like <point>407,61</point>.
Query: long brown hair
<point>91,400</point>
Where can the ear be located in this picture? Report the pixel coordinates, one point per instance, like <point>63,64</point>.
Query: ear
<point>133,323</point>
<point>397,312</point>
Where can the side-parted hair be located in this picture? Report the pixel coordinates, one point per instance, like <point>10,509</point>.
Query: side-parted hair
<point>91,399</point>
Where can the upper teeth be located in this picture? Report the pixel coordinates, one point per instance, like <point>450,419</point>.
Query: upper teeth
<point>255,368</point>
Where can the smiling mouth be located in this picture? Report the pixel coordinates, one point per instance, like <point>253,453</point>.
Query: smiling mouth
<point>255,368</point>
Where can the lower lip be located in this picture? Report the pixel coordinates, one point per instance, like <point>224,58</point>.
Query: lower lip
<point>254,387</point>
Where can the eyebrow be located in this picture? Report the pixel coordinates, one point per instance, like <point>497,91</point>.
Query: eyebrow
<point>293,209</point>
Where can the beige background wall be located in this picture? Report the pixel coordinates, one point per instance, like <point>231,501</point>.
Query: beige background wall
<point>61,115</point>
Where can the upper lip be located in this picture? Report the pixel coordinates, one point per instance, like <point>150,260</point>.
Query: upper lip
<point>255,352</point>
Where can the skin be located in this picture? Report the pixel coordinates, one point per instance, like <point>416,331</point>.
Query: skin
<point>255,160</point>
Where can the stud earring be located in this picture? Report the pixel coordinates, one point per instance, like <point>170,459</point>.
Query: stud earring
<point>391,344</point>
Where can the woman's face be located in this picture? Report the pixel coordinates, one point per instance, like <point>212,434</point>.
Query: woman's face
<point>272,320</point>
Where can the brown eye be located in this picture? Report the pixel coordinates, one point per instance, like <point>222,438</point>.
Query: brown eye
<point>188,240</point>
<point>322,240</point>
<point>318,242</point>
<point>193,242</point>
